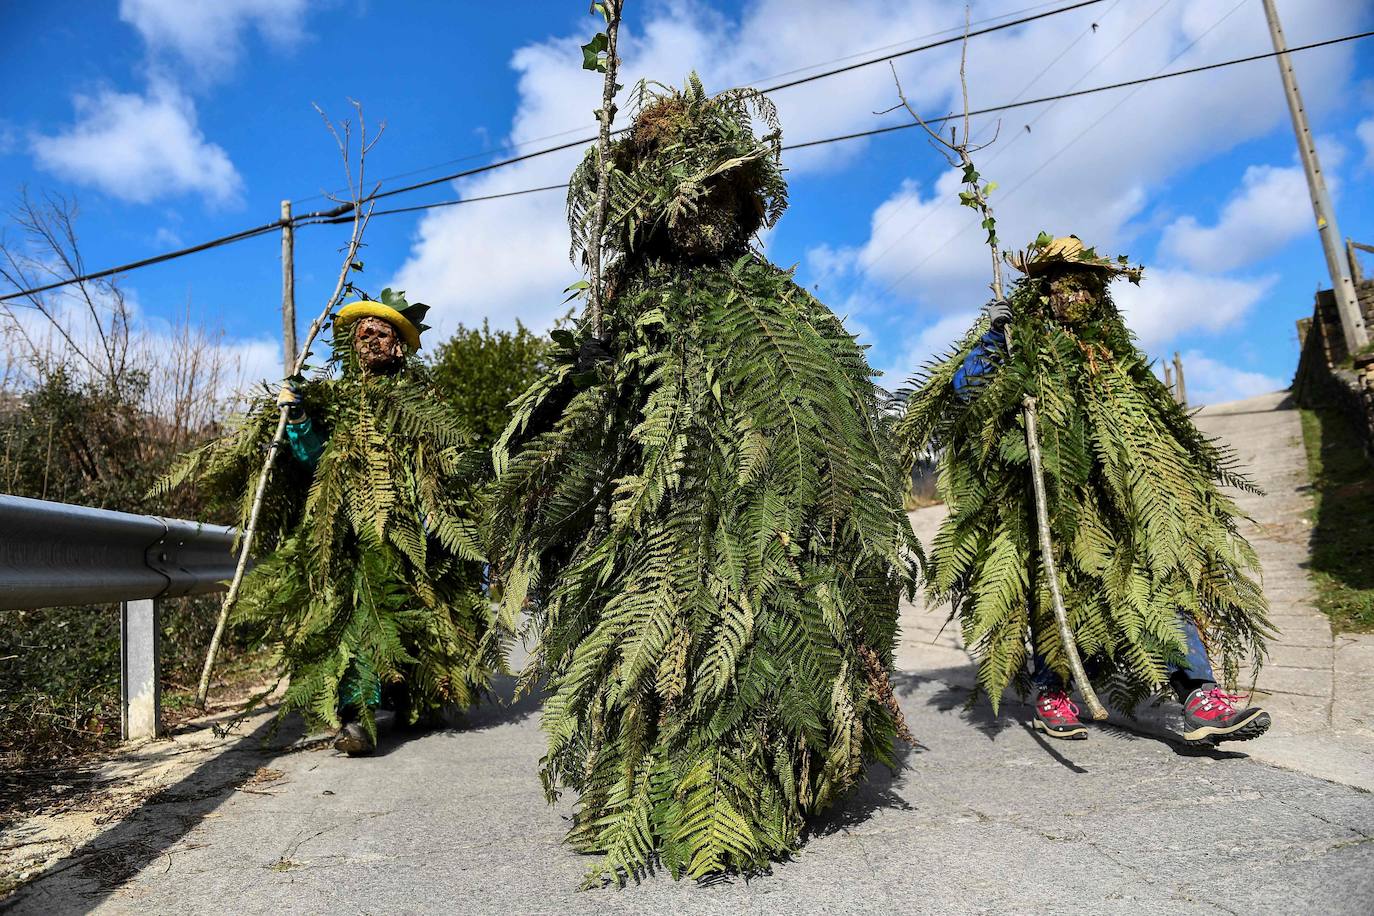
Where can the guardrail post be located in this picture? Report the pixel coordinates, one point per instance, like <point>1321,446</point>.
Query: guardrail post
<point>140,657</point>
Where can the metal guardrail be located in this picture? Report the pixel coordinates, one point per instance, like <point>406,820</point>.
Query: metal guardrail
<point>55,554</point>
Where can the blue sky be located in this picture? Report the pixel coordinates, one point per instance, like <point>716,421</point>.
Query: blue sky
<point>173,122</point>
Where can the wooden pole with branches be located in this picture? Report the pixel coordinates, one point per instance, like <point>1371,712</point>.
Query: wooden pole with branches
<point>604,42</point>
<point>959,154</point>
<point>360,203</point>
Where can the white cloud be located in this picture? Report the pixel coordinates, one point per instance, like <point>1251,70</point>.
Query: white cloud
<point>1270,208</point>
<point>1365,131</point>
<point>139,148</point>
<point>1168,303</point>
<point>167,238</point>
<point>509,259</point>
<point>1211,382</point>
<point>930,341</point>
<point>1083,168</point>
<point>191,356</point>
<point>208,36</point>
<point>1097,166</point>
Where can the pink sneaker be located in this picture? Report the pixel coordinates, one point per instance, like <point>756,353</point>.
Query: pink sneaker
<point>1057,716</point>
<point>1209,713</point>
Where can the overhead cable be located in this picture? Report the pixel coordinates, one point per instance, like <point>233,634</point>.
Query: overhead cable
<point>330,215</point>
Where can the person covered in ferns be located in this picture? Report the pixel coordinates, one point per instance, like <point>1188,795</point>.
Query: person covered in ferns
<point>373,582</point>
<point>1157,580</point>
<point>697,503</point>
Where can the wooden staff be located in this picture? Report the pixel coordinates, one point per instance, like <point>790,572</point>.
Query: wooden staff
<point>361,215</point>
<point>958,154</point>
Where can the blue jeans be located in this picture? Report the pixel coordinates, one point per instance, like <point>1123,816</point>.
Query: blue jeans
<point>1195,666</point>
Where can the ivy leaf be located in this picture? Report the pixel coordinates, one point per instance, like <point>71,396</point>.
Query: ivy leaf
<point>970,174</point>
<point>564,338</point>
<point>989,223</point>
<point>601,8</point>
<point>357,265</point>
<point>592,51</point>
<point>989,188</point>
<point>967,199</point>
<point>576,290</point>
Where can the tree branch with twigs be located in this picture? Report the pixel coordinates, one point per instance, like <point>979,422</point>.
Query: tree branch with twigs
<point>600,55</point>
<point>360,203</point>
<point>958,152</point>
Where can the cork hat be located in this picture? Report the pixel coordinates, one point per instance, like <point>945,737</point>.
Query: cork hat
<point>407,319</point>
<point>1047,254</point>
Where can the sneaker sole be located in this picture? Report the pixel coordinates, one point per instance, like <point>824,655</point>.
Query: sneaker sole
<point>353,747</point>
<point>1079,733</point>
<point>1251,727</point>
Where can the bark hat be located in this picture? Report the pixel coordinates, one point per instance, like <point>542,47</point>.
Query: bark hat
<point>1048,254</point>
<point>407,319</point>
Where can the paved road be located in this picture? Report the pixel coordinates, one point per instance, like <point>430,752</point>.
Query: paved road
<point>986,817</point>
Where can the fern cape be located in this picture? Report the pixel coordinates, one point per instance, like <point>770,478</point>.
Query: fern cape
<point>710,539</point>
<point>1141,528</point>
<point>370,575</point>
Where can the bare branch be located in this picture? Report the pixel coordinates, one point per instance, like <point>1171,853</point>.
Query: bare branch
<point>362,214</point>
<point>903,103</point>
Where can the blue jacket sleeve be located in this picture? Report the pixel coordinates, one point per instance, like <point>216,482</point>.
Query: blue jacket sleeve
<point>306,444</point>
<point>981,362</point>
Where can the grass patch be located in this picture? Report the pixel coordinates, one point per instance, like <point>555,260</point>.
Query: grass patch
<point>1342,521</point>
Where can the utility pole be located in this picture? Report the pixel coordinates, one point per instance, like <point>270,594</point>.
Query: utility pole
<point>1352,321</point>
<point>1180,389</point>
<point>288,288</point>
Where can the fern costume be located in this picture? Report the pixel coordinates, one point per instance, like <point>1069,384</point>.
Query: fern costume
<point>372,582</point>
<point>698,509</point>
<point>1155,573</point>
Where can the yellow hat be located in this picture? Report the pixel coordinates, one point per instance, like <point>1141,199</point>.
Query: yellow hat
<point>367,309</point>
<point>1046,253</point>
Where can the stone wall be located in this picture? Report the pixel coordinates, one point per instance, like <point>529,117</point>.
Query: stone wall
<point>1327,376</point>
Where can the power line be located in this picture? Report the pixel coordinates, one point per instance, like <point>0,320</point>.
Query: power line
<point>932,45</point>
<point>1081,134</point>
<point>441,203</point>
<point>564,133</point>
<point>328,215</point>
<point>1082,92</point>
<point>825,74</point>
<point>945,118</point>
<point>905,202</point>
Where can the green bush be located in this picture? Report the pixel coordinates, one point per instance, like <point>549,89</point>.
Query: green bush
<point>483,371</point>
<point>91,445</point>
<point>1342,566</point>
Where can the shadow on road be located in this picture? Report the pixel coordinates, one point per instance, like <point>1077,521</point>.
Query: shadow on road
<point>151,827</point>
<point>144,832</point>
<point>876,792</point>
<point>1050,749</point>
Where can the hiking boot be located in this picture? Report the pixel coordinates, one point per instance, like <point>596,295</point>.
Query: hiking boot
<point>354,740</point>
<point>1057,716</point>
<point>1209,713</point>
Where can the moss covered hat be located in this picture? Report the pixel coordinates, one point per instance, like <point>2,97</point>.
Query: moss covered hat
<point>407,319</point>
<point>1047,254</point>
<point>690,169</point>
